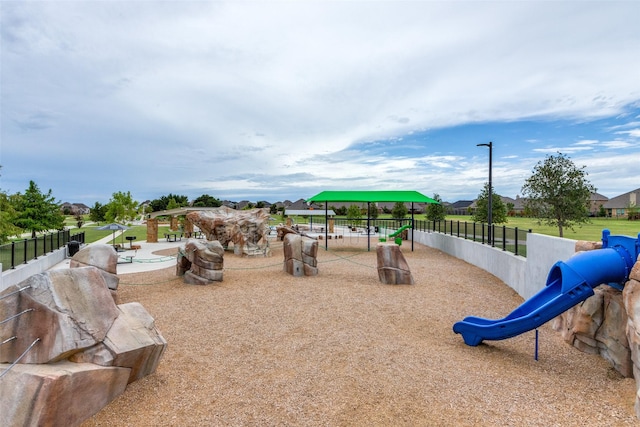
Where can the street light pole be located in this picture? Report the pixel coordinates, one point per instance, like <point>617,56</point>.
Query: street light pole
<point>489,207</point>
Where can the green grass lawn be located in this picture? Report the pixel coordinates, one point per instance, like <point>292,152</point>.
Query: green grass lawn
<point>590,231</point>
<point>91,234</point>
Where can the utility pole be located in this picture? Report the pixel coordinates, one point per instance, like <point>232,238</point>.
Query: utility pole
<point>490,204</point>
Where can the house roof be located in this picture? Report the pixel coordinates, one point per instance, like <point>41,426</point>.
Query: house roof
<point>624,200</point>
<point>461,204</point>
<point>309,212</point>
<point>371,196</point>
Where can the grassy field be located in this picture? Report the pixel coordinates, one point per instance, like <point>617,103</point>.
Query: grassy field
<point>590,231</point>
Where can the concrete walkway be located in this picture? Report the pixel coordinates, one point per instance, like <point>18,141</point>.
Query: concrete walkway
<point>142,259</point>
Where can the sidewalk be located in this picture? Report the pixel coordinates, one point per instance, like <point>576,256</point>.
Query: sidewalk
<point>142,259</point>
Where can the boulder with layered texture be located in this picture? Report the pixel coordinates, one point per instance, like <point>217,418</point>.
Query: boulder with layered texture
<point>392,266</point>
<point>201,263</point>
<point>300,255</point>
<point>68,310</point>
<point>103,257</point>
<point>246,229</point>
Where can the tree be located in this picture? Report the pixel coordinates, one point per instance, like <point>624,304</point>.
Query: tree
<point>98,212</point>
<point>435,211</point>
<point>399,210</point>
<point>558,193</point>
<point>172,204</point>
<point>161,203</point>
<point>341,211</point>
<point>498,208</point>
<point>207,201</point>
<point>7,218</point>
<point>79,219</point>
<point>121,207</point>
<point>373,211</point>
<point>354,214</point>
<point>38,212</point>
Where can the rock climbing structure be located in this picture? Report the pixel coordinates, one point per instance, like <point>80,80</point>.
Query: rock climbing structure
<point>246,229</point>
<point>66,348</point>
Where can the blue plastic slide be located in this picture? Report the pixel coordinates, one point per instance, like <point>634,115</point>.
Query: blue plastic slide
<point>568,284</point>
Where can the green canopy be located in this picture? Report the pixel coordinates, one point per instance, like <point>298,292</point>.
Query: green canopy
<point>371,196</point>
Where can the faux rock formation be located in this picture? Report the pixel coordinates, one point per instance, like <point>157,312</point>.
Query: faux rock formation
<point>608,324</point>
<point>57,394</point>
<point>283,230</point>
<point>598,326</point>
<point>392,266</point>
<point>74,349</point>
<point>132,342</point>
<point>246,229</point>
<point>300,255</point>
<point>201,263</point>
<point>101,256</point>
<point>68,309</point>
<point>631,299</point>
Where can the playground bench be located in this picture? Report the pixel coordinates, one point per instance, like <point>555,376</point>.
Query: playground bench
<point>172,237</point>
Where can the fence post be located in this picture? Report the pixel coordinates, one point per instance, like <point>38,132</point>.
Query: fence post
<point>492,235</point>
<point>504,237</point>
<point>13,255</point>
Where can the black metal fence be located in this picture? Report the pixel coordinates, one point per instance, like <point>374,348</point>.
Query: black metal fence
<point>509,239</point>
<point>22,251</point>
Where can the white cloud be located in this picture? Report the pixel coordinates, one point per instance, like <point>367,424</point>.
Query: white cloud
<point>194,95</point>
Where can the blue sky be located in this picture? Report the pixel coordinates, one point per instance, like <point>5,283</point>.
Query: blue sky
<point>281,100</point>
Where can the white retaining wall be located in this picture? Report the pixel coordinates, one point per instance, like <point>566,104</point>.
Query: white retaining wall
<point>524,275</point>
<point>24,271</point>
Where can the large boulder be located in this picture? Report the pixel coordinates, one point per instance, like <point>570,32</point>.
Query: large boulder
<point>68,350</point>
<point>392,266</point>
<point>67,309</point>
<point>132,342</point>
<point>57,394</point>
<point>101,256</point>
<point>300,255</point>
<point>201,263</point>
<point>598,325</point>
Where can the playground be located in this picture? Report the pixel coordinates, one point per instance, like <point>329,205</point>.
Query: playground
<point>340,348</point>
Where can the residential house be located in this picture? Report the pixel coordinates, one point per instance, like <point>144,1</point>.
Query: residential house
<point>595,202</point>
<point>75,208</point>
<point>620,206</point>
<point>461,207</point>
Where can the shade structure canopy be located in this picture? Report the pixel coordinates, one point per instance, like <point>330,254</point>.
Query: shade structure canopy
<point>114,227</point>
<point>371,196</point>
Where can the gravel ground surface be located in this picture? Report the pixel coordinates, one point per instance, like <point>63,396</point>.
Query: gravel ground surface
<point>341,349</point>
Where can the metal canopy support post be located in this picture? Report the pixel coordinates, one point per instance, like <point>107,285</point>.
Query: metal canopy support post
<point>368,227</point>
<point>326,226</point>
<point>412,225</point>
